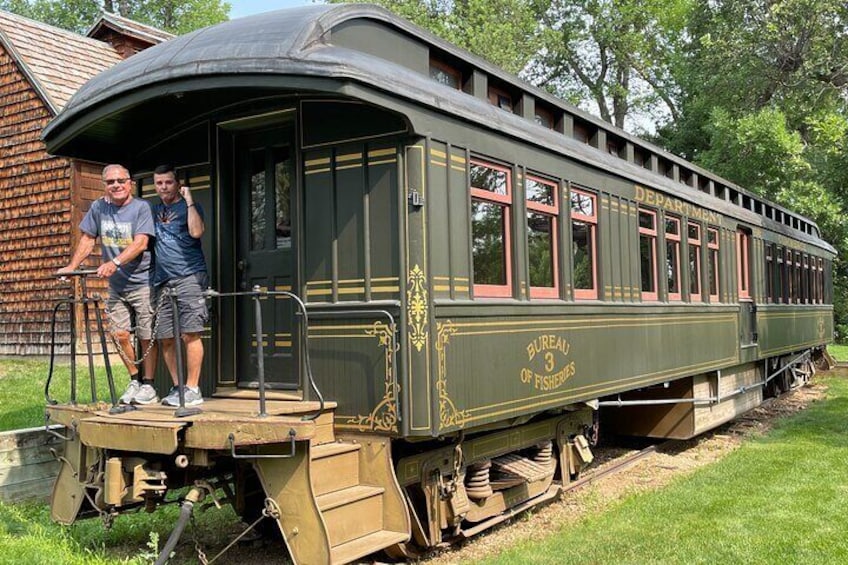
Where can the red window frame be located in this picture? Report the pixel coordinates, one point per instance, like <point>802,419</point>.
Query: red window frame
<point>713,250</point>
<point>806,283</point>
<point>591,220</point>
<point>769,254</point>
<point>695,244</point>
<point>504,201</point>
<point>651,234</point>
<point>673,239</point>
<point>743,264</point>
<point>788,265</point>
<point>551,211</point>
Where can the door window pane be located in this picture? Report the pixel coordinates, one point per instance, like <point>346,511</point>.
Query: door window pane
<point>282,197</point>
<point>257,199</point>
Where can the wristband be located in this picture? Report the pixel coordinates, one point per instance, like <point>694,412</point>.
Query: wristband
<point>117,262</point>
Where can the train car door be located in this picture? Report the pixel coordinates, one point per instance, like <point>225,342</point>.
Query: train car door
<point>265,179</point>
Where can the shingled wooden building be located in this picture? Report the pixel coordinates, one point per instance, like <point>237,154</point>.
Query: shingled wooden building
<point>43,198</point>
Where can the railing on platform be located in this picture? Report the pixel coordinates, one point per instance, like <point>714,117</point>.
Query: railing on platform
<point>256,294</point>
<point>86,302</point>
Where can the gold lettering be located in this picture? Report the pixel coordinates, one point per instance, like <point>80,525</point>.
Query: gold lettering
<point>549,362</point>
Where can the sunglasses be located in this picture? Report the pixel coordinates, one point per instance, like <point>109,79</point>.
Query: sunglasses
<point>107,182</point>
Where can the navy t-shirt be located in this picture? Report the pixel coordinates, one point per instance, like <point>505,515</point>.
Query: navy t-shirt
<point>177,254</point>
<point>117,226</point>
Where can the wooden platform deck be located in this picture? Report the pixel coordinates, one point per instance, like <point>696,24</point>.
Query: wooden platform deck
<point>220,424</point>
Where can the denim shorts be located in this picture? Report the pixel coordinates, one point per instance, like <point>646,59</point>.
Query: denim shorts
<point>190,301</point>
<point>122,306</point>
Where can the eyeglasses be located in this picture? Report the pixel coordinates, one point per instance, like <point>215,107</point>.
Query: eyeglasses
<point>107,182</point>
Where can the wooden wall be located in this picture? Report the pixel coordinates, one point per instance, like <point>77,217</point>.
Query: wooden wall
<point>27,467</point>
<point>38,220</point>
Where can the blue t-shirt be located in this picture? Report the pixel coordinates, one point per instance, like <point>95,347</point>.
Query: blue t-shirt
<point>176,253</point>
<point>117,226</point>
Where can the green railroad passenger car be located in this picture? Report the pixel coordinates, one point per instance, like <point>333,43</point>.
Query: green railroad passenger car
<point>490,275</point>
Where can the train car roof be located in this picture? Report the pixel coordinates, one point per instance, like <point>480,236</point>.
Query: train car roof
<point>286,48</point>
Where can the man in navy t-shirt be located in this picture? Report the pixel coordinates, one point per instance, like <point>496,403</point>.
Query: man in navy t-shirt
<point>124,225</point>
<point>180,267</point>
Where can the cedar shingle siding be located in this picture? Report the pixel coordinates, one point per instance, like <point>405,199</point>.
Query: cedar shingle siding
<point>43,198</point>
<point>34,216</point>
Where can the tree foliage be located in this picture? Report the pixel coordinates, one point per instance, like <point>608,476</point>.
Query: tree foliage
<point>613,56</point>
<point>175,16</point>
<point>505,32</point>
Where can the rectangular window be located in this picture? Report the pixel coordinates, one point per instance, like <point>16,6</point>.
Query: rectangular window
<point>694,241</point>
<point>805,280</point>
<point>742,264</point>
<point>769,252</point>
<point>648,253</point>
<point>584,249</point>
<point>712,262</point>
<point>445,74</point>
<point>500,98</point>
<point>821,279</point>
<point>544,118</point>
<point>789,287</point>
<point>542,212</point>
<point>779,279</point>
<point>672,256</point>
<point>490,187</point>
<point>797,274</point>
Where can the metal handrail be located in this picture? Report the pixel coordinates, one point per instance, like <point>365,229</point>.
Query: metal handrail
<point>70,302</point>
<point>256,294</point>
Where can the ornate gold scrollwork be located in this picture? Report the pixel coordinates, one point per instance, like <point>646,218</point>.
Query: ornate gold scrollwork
<point>383,417</point>
<point>417,307</point>
<point>449,414</point>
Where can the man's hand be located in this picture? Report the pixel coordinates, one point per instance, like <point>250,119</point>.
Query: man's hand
<point>65,270</point>
<point>185,192</point>
<point>106,270</point>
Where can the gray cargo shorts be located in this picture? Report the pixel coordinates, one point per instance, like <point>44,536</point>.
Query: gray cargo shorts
<point>191,303</point>
<point>121,306</point>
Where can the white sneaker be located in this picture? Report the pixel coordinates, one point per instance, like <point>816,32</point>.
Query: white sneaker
<point>129,394</point>
<point>146,395</point>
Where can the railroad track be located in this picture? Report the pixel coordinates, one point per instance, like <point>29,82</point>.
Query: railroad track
<point>620,465</point>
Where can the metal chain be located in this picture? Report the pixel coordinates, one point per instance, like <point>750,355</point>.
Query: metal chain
<point>201,556</point>
<point>150,345</point>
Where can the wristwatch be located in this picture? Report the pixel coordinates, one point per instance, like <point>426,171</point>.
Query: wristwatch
<point>117,262</point>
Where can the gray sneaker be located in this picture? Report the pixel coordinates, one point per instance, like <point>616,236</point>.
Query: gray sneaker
<point>129,394</point>
<point>172,398</point>
<point>191,396</point>
<point>146,395</point>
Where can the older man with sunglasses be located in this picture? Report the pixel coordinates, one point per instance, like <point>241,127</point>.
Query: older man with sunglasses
<point>124,225</point>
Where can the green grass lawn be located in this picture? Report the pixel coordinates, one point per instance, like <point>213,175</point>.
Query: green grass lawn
<point>780,499</point>
<point>22,383</point>
<point>839,352</point>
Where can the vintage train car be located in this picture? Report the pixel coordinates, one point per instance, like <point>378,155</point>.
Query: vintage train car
<point>483,268</point>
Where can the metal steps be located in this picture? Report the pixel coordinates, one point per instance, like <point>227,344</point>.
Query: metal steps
<point>351,503</point>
